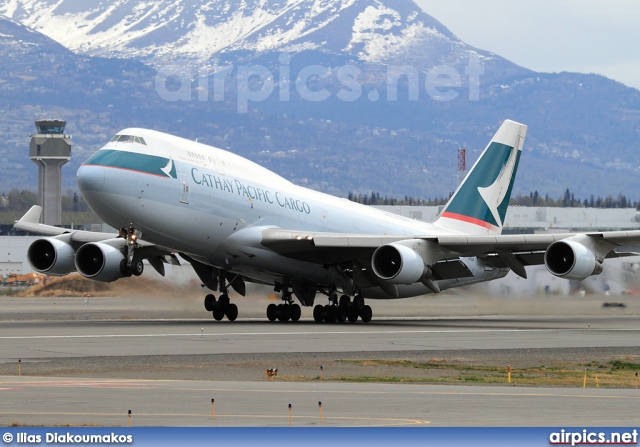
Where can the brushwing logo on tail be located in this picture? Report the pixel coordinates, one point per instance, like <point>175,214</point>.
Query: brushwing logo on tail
<point>484,197</point>
<point>495,194</point>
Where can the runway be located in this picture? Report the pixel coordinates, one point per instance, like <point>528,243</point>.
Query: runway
<point>166,371</point>
<point>188,403</point>
<point>23,340</point>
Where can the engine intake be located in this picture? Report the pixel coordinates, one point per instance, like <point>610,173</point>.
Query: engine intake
<point>398,264</point>
<point>571,260</point>
<point>51,256</point>
<point>99,261</point>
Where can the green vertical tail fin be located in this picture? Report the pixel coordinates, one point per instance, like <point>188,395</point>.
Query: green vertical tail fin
<point>479,205</point>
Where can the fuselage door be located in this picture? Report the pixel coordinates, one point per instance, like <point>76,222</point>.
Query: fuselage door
<point>184,188</point>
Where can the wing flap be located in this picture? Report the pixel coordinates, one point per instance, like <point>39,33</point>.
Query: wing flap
<point>452,269</point>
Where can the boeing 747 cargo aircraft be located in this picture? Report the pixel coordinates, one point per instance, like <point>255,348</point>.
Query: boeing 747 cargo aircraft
<point>236,222</point>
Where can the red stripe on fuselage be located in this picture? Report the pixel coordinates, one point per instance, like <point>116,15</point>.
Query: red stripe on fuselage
<point>468,219</point>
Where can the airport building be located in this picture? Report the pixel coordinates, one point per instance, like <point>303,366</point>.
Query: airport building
<point>531,219</point>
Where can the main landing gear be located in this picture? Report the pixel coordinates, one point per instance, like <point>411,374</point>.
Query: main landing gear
<point>223,306</point>
<point>343,309</point>
<point>286,311</point>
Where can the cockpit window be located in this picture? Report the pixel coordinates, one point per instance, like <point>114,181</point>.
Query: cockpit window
<point>128,139</point>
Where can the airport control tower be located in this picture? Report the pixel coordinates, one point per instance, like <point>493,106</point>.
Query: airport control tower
<point>50,148</point>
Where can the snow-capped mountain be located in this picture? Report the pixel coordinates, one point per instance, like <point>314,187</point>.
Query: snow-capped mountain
<point>371,31</point>
<point>16,39</point>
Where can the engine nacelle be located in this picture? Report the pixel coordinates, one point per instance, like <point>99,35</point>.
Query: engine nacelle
<point>571,260</point>
<point>51,256</point>
<point>99,261</point>
<point>398,264</point>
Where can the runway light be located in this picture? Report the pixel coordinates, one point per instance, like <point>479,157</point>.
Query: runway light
<point>320,406</point>
<point>212,408</point>
<point>290,411</point>
<point>20,367</point>
<point>129,419</point>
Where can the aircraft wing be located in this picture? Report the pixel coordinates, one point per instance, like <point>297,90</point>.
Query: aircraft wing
<point>513,251</point>
<point>31,222</point>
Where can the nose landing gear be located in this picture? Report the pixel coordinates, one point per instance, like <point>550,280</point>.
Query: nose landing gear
<point>131,265</point>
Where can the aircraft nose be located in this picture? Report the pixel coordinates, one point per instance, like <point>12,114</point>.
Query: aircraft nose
<point>90,178</point>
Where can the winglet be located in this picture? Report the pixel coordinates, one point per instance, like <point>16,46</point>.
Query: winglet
<point>479,206</point>
<point>31,222</point>
<point>32,216</point>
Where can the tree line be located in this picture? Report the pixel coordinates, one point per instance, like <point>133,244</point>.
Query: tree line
<point>22,200</point>
<point>568,200</point>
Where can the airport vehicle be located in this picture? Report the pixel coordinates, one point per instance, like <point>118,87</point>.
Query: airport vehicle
<point>16,279</point>
<point>236,221</point>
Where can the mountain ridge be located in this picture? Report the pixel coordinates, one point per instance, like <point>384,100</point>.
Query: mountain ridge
<point>373,31</point>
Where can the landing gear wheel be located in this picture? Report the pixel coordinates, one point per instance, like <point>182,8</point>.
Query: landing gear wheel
<point>295,312</point>
<point>341,314</point>
<point>344,302</point>
<point>358,303</point>
<point>232,312</point>
<point>209,303</point>
<point>272,312</point>
<point>218,313</point>
<point>330,313</point>
<point>318,313</point>
<point>352,315</point>
<point>137,267</point>
<point>223,302</point>
<point>283,312</point>
<point>124,269</point>
<point>366,314</point>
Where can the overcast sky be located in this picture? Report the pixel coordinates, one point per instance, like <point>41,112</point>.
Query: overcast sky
<point>587,36</point>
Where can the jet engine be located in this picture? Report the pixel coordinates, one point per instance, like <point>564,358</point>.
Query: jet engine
<point>100,261</point>
<point>398,264</point>
<point>51,256</point>
<point>571,260</point>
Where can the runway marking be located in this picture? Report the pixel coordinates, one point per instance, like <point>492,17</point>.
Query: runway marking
<point>84,384</point>
<point>380,421</point>
<point>250,334</point>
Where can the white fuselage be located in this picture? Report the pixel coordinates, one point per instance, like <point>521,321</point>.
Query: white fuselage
<point>212,205</point>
